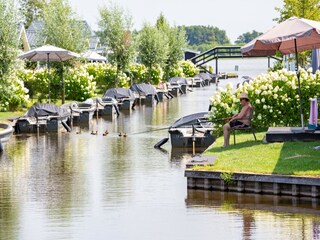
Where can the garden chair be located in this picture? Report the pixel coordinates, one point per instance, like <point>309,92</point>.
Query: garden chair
<point>246,128</point>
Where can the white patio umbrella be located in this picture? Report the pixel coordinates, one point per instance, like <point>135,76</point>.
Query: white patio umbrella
<point>48,53</point>
<point>291,36</point>
<point>94,57</point>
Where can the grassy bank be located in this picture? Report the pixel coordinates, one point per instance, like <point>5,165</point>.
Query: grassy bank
<point>248,156</point>
<point>4,116</point>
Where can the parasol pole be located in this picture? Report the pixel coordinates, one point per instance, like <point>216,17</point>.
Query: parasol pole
<point>48,72</point>
<point>298,76</point>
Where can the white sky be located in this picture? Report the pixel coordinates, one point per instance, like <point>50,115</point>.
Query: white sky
<point>234,16</point>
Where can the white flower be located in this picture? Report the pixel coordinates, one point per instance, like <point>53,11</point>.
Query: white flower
<point>263,100</point>
<point>258,101</point>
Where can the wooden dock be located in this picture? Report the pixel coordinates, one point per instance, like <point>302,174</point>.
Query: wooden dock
<point>286,134</point>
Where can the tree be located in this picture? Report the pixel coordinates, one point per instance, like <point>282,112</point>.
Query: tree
<point>176,41</point>
<point>8,38</point>
<point>247,37</point>
<point>62,28</point>
<point>309,9</point>
<point>31,10</point>
<point>205,36</point>
<point>115,31</point>
<point>152,47</point>
<point>12,90</point>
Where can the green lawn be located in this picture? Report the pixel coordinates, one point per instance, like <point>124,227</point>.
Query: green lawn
<point>248,156</point>
<point>4,116</point>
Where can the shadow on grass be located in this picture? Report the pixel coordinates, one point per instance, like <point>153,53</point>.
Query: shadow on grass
<point>299,158</point>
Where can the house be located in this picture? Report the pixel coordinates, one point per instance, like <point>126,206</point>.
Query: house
<point>31,38</point>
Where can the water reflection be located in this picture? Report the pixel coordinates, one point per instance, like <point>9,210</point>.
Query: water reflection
<point>263,216</point>
<point>80,185</point>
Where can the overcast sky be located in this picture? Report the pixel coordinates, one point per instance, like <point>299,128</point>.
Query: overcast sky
<point>234,16</point>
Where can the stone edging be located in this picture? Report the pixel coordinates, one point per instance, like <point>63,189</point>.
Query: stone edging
<point>255,183</point>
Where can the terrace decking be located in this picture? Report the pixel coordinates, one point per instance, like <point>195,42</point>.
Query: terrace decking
<point>285,134</point>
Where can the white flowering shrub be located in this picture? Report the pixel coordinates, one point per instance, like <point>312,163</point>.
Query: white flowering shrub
<point>79,85</point>
<point>13,94</point>
<point>274,95</point>
<point>104,74</point>
<point>139,72</point>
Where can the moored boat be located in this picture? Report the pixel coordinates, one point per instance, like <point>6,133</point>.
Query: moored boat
<point>44,117</point>
<point>124,96</point>
<point>6,131</point>
<point>192,129</point>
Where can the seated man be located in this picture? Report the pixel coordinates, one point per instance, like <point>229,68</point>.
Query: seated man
<point>240,119</point>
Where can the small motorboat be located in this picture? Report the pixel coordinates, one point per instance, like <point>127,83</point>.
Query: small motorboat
<point>44,117</point>
<point>145,92</point>
<point>81,112</point>
<point>6,131</point>
<point>195,129</point>
<point>124,96</point>
<point>106,106</point>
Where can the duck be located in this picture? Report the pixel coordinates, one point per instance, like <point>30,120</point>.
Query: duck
<point>125,135</point>
<point>105,133</point>
<point>120,134</point>
<point>94,133</point>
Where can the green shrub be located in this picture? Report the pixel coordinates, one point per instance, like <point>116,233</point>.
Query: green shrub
<point>139,73</point>
<point>274,96</point>
<point>155,74</point>
<point>188,68</point>
<point>104,74</point>
<point>13,95</point>
<point>79,85</point>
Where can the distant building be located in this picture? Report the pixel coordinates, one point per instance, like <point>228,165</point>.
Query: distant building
<point>23,39</point>
<point>31,38</point>
<point>188,54</point>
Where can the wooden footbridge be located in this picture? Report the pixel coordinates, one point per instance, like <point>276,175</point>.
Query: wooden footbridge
<point>224,52</point>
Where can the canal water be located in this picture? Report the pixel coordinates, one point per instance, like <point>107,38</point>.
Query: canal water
<point>83,186</point>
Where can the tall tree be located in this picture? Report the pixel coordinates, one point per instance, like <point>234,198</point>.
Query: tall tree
<point>10,97</point>
<point>31,10</point>
<point>115,31</point>
<point>309,9</point>
<point>8,38</point>
<point>176,41</point>
<point>205,35</point>
<point>152,46</point>
<point>63,28</point>
<point>247,37</point>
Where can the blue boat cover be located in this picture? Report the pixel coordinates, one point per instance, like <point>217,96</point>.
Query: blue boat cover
<point>119,93</point>
<point>46,109</point>
<point>178,80</point>
<point>144,88</point>
<point>188,120</point>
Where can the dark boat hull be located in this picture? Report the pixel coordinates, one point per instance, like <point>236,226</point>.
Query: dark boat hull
<point>179,140</point>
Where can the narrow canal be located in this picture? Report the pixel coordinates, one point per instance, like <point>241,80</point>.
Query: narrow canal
<point>83,186</point>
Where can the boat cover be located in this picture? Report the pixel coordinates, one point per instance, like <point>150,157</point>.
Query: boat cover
<point>188,120</point>
<point>119,93</point>
<point>46,109</point>
<point>204,76</point>
<point>178,80</point>
<point>144,88</point>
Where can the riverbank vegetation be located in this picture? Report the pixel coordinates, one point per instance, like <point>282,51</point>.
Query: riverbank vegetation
<point>249,156</point>
<point>274,96</point>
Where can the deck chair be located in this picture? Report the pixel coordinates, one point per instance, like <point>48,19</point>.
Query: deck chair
<point>247,128</point>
